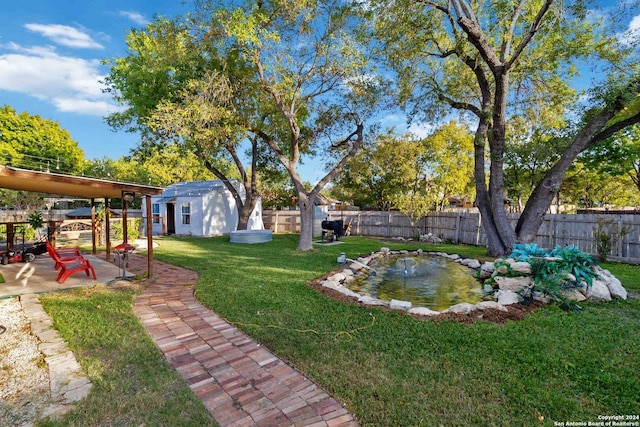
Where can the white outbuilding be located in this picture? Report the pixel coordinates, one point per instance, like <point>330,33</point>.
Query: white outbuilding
<point>200,208</point>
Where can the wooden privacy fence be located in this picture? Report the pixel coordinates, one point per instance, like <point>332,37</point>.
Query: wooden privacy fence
<point>466,228</point>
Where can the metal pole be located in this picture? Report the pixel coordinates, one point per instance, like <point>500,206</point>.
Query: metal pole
<point>149,237</point>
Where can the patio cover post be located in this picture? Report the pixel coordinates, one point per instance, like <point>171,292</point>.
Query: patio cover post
<point>93,226</point>
<point>125,225</point>
<point>149,237</point>
<point>107,229</point>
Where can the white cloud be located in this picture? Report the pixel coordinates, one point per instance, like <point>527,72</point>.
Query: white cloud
<point>76,105</point>
<point>633,32</point>
<point>421,130</point>
<point>634,25</point>
<point>134,16</point>
<point>65,35</point>
<point>69,83</point>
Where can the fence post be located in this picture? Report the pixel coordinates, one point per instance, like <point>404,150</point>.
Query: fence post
<point>478,230</point>
<point>457,239</point>
<point>621,238</point>
<point>358,224</point>
<point>389,224</point>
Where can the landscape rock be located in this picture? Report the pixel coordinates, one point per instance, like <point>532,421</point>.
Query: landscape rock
<point>615,287</point>
<point>368,300</point>
<point>488,267</point>
<point>471,263</point>
<point>507,297</point>
<point>539,296</point>
<point>462,308</point>
<point>515,284</point>
<point>486,305</point>
<point>483,274</point>
<point>400,305</point>
<point>430,238</point>
<point>573,294</point>
<point>503,269</point>
<point>521,267</point>
<point>423,311</point>
<point>338,277</point>
<point>598,292</point>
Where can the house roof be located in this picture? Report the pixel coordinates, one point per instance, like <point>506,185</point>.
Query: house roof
<point>67,185</point>
<point>191,189</point>
<point>85,213</point>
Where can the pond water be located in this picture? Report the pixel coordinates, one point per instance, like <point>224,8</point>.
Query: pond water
<point>426,281</point>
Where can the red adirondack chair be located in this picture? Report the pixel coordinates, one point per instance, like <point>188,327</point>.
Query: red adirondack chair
<point>70,264</point>
<point>62,253</point>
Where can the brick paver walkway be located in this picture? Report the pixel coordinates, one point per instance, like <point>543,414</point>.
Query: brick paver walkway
<point>239,382</point>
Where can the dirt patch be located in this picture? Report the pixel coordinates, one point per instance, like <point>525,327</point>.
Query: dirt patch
<point>514,312</point>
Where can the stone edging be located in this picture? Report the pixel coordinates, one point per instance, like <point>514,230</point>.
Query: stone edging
<point>504,296</point>
<point>66,382</point>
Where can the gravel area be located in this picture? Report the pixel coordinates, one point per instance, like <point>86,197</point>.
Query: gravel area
<point>24,377</point>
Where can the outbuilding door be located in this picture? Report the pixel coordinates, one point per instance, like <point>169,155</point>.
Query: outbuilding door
<point>171,218</point>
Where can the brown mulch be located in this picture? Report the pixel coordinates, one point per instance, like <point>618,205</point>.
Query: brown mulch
<point>514,312</point>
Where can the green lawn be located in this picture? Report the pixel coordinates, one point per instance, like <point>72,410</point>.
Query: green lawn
<point>389,369</point>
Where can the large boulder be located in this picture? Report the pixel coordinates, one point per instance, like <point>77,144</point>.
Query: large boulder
<point>521,267</point>
<point>515,284</point>
<point>598,292</point>
<point>615,287</point>
<point>507,297</point>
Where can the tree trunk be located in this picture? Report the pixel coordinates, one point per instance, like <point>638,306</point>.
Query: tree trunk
<point>244,212</point>
<point>306,222</point>
<point>495,244</point>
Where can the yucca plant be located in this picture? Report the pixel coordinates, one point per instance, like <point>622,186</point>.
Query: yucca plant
<point>522,252</point>
<point>576,262</point>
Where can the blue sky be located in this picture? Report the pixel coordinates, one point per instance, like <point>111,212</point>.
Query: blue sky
<point>50,54</point>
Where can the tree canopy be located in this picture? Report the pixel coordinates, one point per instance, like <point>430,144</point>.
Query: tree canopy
<point>315,94</point>
<point>177,91</point>
<point>493,61</point>
<point>35,143</point>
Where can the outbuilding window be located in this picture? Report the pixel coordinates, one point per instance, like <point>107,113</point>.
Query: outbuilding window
<point>186,213</point>
<point>155,213</point>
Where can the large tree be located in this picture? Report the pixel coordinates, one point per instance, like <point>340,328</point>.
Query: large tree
<point>618,155</point>
<point>173,83</point>
<point>409,173</point>
<point>492,60</point>
<point>392,165</point>
<point>160,167</point>
<point>314,91</point>
<point>32,142</point>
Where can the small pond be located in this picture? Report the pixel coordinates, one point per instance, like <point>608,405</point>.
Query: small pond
<point>426,281</point>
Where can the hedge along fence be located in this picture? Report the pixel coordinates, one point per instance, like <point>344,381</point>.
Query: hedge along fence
<point>580,230</point>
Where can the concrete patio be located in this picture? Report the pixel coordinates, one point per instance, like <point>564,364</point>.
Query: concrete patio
<point>39,276</point>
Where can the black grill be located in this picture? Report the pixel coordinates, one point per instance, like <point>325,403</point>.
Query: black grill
<point>333,230</point>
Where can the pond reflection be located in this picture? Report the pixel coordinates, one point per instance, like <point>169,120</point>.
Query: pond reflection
<point>426,281</point>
